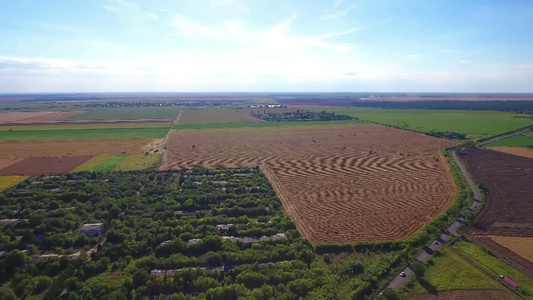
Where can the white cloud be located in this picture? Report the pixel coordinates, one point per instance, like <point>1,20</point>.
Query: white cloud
<point>273,39</point>
<point>336,12</point>
<point>337,3</point>
<point>235,4</point>
<point>132,14</point>
<point>413,55</point>
<point>464,61</point>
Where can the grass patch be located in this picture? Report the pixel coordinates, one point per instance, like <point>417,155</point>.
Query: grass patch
<point>136,162</point>
<point>81,126</point>
<point>10,181</point>
<point>92,163</point>
<point>110,164</point>
<point>450,272</point>
<point>471,123</point>
<point>520,140</point>
<point>261,124</point>
<point>494,266</point>
<point>127,113</point>
<point>82,134</point>
<point>110,279</point>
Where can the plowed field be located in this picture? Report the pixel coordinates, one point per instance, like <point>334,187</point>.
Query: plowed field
<point>467,294</point>
<point>73,147</point>
<point>45,165</point>
<point>507,180</point>
<point>36,116</point>
<point>340,183</point>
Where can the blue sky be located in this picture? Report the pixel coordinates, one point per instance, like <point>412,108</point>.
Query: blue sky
<point>284,45</point>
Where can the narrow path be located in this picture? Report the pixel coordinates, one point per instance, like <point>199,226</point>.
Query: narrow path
<point>400,280</point>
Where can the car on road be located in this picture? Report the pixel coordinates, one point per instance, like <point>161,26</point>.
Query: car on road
<point>435,243</point>
<point>402,274</point>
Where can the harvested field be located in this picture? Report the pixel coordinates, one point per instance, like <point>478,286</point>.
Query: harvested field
<point>12,150</point>
<point>6,162</point>
<point>520,245</point>
<point>75,126</point>
<point>340,183</point>
<point>507,182</point>
<point>467,294</point>
<point>215,115</point>
<point>515,151</point>
<point>36,116</point>
<point>45,165</point>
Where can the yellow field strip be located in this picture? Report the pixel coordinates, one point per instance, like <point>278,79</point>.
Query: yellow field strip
<point>92,163</point>
<point>10,181</point>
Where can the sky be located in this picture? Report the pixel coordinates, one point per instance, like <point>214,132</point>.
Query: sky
<point>262,46</point>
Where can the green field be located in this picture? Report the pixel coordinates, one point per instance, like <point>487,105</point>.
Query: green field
<point>127,113</point>
<point>524,140</point>
<point>495,266</point>
<point>82,134</point>
<point>463,276</point>
<point>261,124</point>
<point>476,124</point>
<point>110,164</point>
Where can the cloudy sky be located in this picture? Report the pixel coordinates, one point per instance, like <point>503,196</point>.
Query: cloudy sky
<point>260,45</point>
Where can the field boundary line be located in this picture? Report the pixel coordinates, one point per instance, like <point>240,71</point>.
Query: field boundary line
<point>495,138</point>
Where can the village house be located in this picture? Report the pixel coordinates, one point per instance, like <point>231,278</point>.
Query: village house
<point>94,229</point>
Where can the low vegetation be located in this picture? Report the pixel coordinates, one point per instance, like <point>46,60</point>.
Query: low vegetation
<point>301,116</point>
<point>474,124</point>
<point>111,163</point>
<point>83,134</point>
<point>524,140</point>
<point>10,181</point>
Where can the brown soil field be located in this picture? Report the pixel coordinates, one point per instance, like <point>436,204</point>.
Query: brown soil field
<point>506,180</point>
<point>6,162</point>
<point>215,115</point>
<point>12,150</point>
<point>340,183</point>
<point>515,151</point>
<point>522,246</point>
<point>467,294</point>
<point>45,165</point>
<point>36,116</point>
<point>504,253</point>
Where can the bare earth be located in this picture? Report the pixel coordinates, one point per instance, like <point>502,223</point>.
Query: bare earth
<point>520,245</point>
<point>11,150</point>
<point>467,294</point>
<point>36,116</point>
<point>45,165</point>
<point>341,183</point>
<point>515,151</point>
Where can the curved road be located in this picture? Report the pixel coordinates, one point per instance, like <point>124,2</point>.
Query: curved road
<point>399,281</point>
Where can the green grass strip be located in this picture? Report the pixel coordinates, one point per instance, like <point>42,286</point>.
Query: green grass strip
<point>82,134</point>
<point>111,163</point>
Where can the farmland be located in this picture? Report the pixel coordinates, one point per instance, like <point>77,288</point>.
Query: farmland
<point>44,165</point>
<point>392,182</point>
<point>76,126</point>
<point>520,245</point>
<point>36,116</point>
<point>215,115</point>
<point>521,144</point>
<point>140,162</point>
<point>13,150</point>
<point>111,163</point>
<point>127,113</point>
<point>82,134</point>
<point>506,178</point>
<point>475,124</point>
<point>260,124</point>
<point>9,181</point>
<point>92,163</point>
